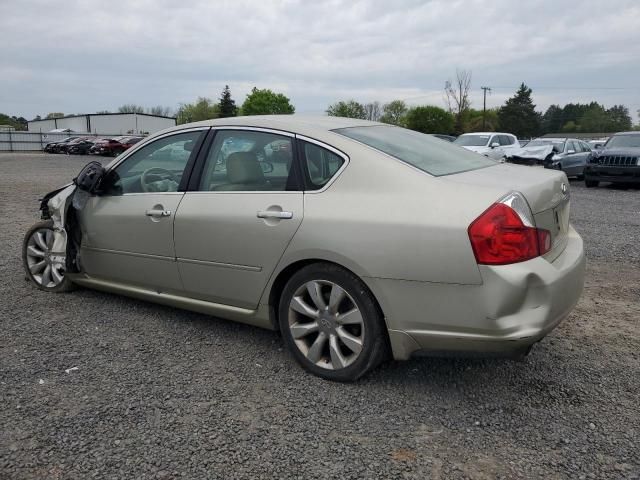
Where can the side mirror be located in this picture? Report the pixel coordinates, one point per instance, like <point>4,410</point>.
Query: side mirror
<point>598,146</point>
<point>495,144</point>
<point>571,151</point>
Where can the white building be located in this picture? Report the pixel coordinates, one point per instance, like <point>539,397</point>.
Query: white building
<point>105,123</point>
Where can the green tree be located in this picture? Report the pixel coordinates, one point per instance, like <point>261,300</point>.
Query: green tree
<point>394,112</point>
<point>430,119</point>
<point>19,123</point>
<point>227,105</point>
<point>266,102</point>
<point>518,114</point>
<point>349,109</point>
<point>54,115</point>
<point>475,120</point>
<point>570,127</point>
<point>552,120</point>
<point>202,109</point>
<point>595,119</point>
<point>619,119</point>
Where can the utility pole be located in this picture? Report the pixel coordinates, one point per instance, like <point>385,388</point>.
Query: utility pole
<point>484,107</point>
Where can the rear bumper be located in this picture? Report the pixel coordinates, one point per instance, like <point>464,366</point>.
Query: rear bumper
<point>516,306</point>
<point>604,173</point>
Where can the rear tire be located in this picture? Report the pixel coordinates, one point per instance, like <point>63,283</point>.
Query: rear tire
<point>331,323</point>
<point>591,183</point>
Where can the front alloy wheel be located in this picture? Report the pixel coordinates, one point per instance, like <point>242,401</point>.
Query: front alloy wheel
<point>44,266</point>
<point>331,323</point>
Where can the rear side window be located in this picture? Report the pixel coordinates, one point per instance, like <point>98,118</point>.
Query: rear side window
<point>320,165</point>
<point>422,151</point>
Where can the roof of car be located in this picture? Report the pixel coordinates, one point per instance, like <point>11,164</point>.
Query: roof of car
<point>627,133</point>
<point>300,123</point>
<point>487,133</point>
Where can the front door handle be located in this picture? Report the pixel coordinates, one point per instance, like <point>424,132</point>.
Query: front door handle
<point>156,212</point>
<point>275,214</point>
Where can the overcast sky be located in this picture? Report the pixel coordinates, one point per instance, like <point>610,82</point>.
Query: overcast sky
<point>84,56</point>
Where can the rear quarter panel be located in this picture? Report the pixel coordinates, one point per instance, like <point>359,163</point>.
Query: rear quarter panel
<point>384,219</point>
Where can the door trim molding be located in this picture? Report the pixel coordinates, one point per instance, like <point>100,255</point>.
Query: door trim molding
<point>129,254</point>
<point>249,268</point>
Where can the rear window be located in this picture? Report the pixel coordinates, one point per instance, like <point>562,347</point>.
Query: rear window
<point>422,151</point>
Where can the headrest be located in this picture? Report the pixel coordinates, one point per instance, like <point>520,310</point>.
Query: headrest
<point>243,167</point>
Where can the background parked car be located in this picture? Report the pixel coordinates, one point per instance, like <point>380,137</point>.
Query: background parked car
<point>571,159</point>
<point>128,142</point>
<point>50,147</point>
<point>107,146</point>
<point>494,145</point>
<point>64,148</point>
<point>81,147</point>
<point>618,161</point>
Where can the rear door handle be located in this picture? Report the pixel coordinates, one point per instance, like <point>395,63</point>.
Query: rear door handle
<point>157,213</point>
<point>275,214</point>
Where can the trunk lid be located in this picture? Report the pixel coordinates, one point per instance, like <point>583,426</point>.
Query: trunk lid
<point>546,191</point>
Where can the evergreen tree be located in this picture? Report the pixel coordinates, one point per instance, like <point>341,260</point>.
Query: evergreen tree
<point>227,106</point>
<point>553,119</point>
<point>518,115</point>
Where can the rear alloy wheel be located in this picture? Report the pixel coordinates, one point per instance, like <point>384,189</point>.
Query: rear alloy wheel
<point>43,266</point>
<point>331,323</point>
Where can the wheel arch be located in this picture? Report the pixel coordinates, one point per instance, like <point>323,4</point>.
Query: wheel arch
<point>280,279</point>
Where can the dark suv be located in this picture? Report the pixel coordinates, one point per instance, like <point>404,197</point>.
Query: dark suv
<point>617,161</point>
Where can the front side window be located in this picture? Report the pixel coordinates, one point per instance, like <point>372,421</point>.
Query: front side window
<point>506,140</point>
<point>156,167</point>
<point>422,151</point>
<point>320,165</point>
<point>246,160</point>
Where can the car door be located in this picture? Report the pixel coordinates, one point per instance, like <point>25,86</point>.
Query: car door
<point>572,158</point>
<point>495,148</point>
<point>241,211</point>
<point>127,228</point>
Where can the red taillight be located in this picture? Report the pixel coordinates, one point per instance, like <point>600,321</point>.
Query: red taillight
<point>499,237</point>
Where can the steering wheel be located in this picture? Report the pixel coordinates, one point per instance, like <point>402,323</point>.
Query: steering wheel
<point>144,181</point>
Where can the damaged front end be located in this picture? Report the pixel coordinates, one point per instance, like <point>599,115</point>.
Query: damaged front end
<point>61,207</point>
<point>532,155</point>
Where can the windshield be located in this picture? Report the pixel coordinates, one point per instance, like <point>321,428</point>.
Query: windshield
<point>472,140</point>
<point>423,151</point>
<point>623,141</point>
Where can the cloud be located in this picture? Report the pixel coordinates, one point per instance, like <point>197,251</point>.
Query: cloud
<point>89,55</point>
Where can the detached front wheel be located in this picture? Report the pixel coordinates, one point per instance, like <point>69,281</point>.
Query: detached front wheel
<point>44,266</point>
<point>331,323</point>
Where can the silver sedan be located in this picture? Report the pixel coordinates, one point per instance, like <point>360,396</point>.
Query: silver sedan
<point>356,240</point>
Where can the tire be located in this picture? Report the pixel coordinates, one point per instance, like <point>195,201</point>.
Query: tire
<point>341,329</point>
<point>39,238</point>
<point>580,177</point>
<point>591,183</point>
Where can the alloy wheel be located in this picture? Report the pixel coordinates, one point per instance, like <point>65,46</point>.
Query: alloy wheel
<point>326,324</point>
<point>46,267</point>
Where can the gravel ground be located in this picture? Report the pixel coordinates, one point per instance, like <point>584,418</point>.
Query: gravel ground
<point>163,393</point>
